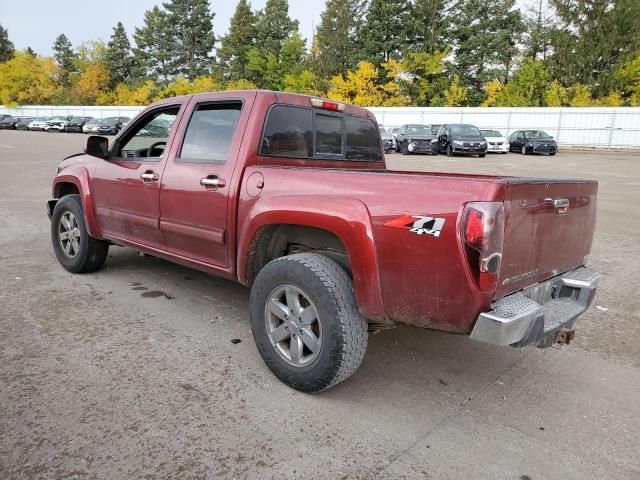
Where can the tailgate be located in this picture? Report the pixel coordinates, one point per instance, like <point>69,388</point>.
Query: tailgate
<point>549,227</point>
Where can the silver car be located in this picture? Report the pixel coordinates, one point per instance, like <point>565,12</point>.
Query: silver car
<point>91,126</point>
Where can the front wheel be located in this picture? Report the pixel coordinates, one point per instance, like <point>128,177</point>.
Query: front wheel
<point>76,251</point>
<point>482,155</point>
<point>524,150</point>
<point>449,151</point>
<point>404,150</point>
<point>306,323</point>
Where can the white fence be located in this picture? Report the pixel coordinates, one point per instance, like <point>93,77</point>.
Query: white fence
<point>588,127</point>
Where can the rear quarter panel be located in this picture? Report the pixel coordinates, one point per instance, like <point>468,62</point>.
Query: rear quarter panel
<point>413,279</point>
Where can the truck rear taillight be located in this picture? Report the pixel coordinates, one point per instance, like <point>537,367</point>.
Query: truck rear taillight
<point>482,235</point>
<point>327,105</point>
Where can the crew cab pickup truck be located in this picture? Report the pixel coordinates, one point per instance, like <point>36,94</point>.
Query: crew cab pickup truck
<point>289,195</point>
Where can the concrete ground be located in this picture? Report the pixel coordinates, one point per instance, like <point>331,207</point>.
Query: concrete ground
<point>130,372</point>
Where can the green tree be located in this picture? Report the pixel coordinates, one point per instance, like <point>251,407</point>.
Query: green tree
<point>428,21</point>
<point>336,38</point>
<point>232,54</point>
<point>273,27</point>
<point>64,55</point>
<point>528,87</point>
<point>424,76</point>
<point>119,61</point>
<point>628,78</point>
<point>153,46</point>
<point>485,35</point>
<point>384,34</point>
<point>190,23</point>
<point>6,46</point>
<point>556,95</point>
<point>457,94</point>
<point>593,40</point>
<point>538,23</point>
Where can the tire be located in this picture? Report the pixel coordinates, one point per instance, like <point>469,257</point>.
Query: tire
<point>482,155</point>
<point>87,254</point>
<point>404,150</point>
<point>552,154</point>
<point>449,151</point>
<point>524,150</point>
<point>319,283</point>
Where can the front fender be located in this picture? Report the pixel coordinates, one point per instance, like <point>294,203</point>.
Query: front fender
<point>345,217</point>
<point>78,175</point>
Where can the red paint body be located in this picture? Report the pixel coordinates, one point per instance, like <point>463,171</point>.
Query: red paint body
<point>399,277</point>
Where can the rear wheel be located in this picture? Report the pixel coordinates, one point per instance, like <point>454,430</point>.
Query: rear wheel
<point>306,323</point>
<point>76,251</point>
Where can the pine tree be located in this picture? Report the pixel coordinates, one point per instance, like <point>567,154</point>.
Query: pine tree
<point>538,24</point>
<point>336,38</point>
<point>596,37</point>
<point>30,51</point>
<point>485,35</point>
<point>6,46</point>
<point>385,31</point>
<point>63,53</point>
<point>428,22</point>
<point>119,62</point>
<point>152,54</point>
<point>273,27</point>
<point>191,25</point>
<point>232,54</point>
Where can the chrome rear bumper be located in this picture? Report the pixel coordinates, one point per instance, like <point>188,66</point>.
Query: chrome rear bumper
<point>537,314</point>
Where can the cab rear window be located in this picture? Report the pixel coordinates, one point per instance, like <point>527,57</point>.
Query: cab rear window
<point>298,132</point>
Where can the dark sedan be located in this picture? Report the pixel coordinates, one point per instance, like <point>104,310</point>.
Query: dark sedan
<point>461,138</point>
<point>387,140</point>
<point>8,122</point>
<point>76,124</point>
<point>23,123</point>
<point>416,138</point>
<point>111,125</point>
<point>532,141</point>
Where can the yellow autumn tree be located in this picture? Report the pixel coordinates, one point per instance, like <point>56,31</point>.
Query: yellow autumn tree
<point>614,99</point>
<point>362,86</point>
<point>580,96</point>
<point>555,95</point>
<point>629,78</point>
<point>241,84</point>
<point>492,89</point>
<point>456,95</point>
<point>90,84</point>
<point>26,79</point>
<point>305,82</point>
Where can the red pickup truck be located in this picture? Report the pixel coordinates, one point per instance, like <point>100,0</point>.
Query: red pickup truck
<point>289,194</point>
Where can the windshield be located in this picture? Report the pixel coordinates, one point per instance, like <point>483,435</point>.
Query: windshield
<point>536,134</point>
<point>435,128</point>
<point>490,133</point>
<point>418,130</point>
<point>465,130</point>
<point>58,119</point>
<point>77,119</point>
<point>385,134</point>
<point>110,121</point>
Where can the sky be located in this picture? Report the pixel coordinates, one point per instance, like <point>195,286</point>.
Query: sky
<point>36,23</point>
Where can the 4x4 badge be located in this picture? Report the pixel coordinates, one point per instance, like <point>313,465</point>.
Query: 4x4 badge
<point>418,224</point>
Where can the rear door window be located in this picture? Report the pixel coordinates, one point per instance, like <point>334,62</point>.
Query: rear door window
<point>288,133</point>
<point>210,132</point>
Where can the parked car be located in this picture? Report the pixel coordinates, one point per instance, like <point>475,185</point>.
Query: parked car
<point>496,142</point>
<point>7,122</point>
<point>38,123</point>
<point>416,138</point>
<point>461,138</point>
<point>321,250</point>
<point>75,124</point>
<point>394,135</point>
<point>387,140</point>
<point>532,141</point>
<point>56,124</point>
<point>111,125</point>
<point>23,123</point>
<point>91,126</point>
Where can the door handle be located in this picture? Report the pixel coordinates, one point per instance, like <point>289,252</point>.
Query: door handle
<point>149,176</point>
<point>212,181</point>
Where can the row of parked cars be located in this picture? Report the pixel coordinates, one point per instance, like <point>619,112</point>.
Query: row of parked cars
<point>70,123</point>
<point>459,138</point>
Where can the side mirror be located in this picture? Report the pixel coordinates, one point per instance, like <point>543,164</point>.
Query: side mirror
<point>97,146</point>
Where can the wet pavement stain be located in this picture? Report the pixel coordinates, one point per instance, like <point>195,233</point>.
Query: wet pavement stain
<point>156,294</point>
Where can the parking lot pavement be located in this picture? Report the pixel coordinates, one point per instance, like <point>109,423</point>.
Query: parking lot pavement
<point>130,372</point>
